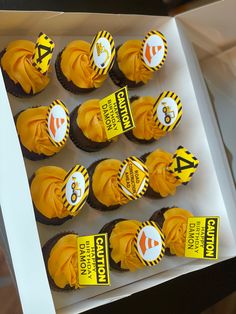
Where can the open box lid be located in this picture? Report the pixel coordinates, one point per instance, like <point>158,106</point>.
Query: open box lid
<point>36,298</point>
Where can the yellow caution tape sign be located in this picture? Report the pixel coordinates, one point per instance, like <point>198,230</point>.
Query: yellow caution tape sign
<point>93,262</point>
<point>116,113</point>
<point>202,237</point>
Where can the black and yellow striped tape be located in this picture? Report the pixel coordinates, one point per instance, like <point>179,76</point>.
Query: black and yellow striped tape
<point>166,112</point>
<point>158,254</point>
<point>104,66</point>
<point>67,117</point>
<point>133,178</point>
<point>145,46</point>
<point>75,208</point>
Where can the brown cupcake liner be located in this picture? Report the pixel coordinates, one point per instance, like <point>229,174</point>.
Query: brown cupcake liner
<point>130,135</point>
<point>45,220</point>
<point>158,217</point>
<point>46,254</point>
<point>107,228</point>
<point>150,192</point>
<point>80,140</point>
<point>92,200</point>
<point>118,77</point>
<point>12,88</point>
<point>26,153</point>
<point>69,85</point>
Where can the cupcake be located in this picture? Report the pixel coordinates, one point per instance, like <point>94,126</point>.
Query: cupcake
<point>46,192</point>
<point>138,59</point>
<point>21,78</point>
<point>162,183</point>
<point>42,133</point>
<point>146,129</point>
<point>104,192</point>
<point>173,222</point>
<point>61,260</point>
<point>121,239</point>
<point>87,130</point>
<point>74,70</point>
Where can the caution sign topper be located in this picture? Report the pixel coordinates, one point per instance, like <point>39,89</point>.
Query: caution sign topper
<point>154,50</point>
<point>183,165</point>
<point>167,111</point>
<point>58,123</point>
<point>93,265</point>
<point>133,178</point>
<point>116,113</point>
<point>43,53</point>
<point>202,237</point>
<point>149,243</point>
<point>75,189</point>
<point>102,52</point>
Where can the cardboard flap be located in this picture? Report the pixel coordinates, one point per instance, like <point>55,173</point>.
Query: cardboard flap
<point>211,26</point>
<point>21,229</point>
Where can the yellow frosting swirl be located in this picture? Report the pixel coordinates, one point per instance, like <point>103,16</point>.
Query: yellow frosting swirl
<point>104,183</point>
<point>129,62</point>
<point>122,241</point>
<point>89,120</point>
<point>31,126</point>
<point>174,229</point>
<point>76,67</point>
<point>46,188</point>
<point>145,125</point>
<point>63,262</point>
<point>161,180</point>
<point>17,62</point>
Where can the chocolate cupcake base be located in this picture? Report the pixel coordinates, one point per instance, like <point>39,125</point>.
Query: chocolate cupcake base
<point>69,85</point>
<point>92,200</point>
<point>12,88</point>
<point>46,254</point>
<point>29,154</point>
<point>107,228</point>
<point>150,192</point>
<point>80,140</point>
<point>158,217</point>
<point>45,220</point>
<point>118,77</point>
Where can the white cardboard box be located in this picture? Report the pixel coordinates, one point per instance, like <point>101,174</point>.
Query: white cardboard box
<point>211,192</point>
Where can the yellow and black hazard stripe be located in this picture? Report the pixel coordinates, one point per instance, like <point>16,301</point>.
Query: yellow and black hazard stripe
<point>108,36</point>
<point>162,253</point>
<point>73,209</point>
<point>157,67</point>
<point>179,108</point>
<point>63,141</point>
<point>142,168</point>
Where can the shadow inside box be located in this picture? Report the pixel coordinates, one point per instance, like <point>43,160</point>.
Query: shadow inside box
<point>103,6</point>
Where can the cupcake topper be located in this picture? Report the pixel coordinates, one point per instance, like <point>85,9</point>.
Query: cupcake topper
<point>43,53</point>
<point>133,178</point>
<point>154,50</point>
<point>116,113</point>
<point>58,123</point>
<point>102,52</point>
<point>93,260</point>
<point>167,111</point>
<point>149,243</point>
<point>183,165</point>
<point>75,189</point>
